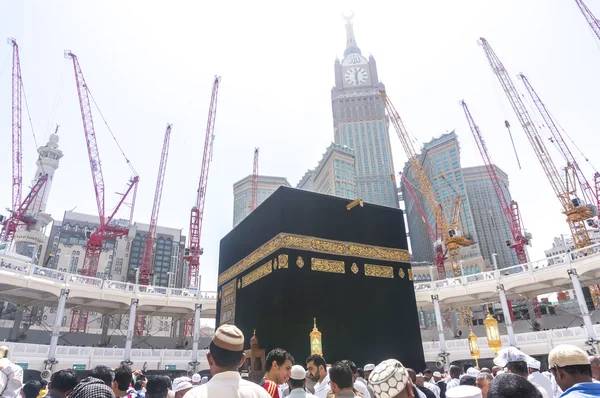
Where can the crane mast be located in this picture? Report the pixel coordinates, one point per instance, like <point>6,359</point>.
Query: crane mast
<point>511,212</point>
<point>255,180</point>
<point>197,212</point>
<point>589,17</point>
<point>19,216</point>
<point>576,213</point>
<point>105,231</point>
<point>451,239</point>
<point>587,192</point>
<point>17,127</point>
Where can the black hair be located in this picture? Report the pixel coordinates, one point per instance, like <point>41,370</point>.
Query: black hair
<point>44,383</point>
<point>317,359</point>
<point>454,371</point>
<point>278,355</point>
<point>64,380</point>
<point>511,385</point>
<point>427,371</point>
<point>341,375</point>
<point>225,358</point>
<point>361,372</point>
<point>158,386</point>
<point>137,385</point>
<point>295,383</point>
<point>141,378</point>
<point>32,389</point>
<point>467,381</point>
<point>123,377</point>
<point>466,366</point>
<point>350,364</point>
<point>573,370</point>
<point>518,368</point>
<point>103,373</point>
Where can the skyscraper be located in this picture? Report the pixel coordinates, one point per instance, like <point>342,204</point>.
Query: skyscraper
<point>242,194</point>
<point>360,123</point>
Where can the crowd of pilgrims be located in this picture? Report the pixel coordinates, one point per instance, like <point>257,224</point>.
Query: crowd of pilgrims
<point>571,373</point>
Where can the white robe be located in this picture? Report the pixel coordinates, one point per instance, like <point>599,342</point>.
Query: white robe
<point>543,381</point>
<point>11,379</point>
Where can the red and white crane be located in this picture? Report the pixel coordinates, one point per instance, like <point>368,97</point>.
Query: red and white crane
<point>589,17</point>
<point>106,230</point>
<point>146,267</point>
<point>17,127</point>
<point>511,210</point>
<point>255,181</point>
<point>197,212</point>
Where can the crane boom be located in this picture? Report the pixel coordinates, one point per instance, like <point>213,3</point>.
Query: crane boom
<point>589,17</point>
<point>19,216</point>
<point>587,192</point>
<point>255,180</point>
<point>17,127</point>
<point>576,214</point>
<point>411,192</point>
<point>512,216</point>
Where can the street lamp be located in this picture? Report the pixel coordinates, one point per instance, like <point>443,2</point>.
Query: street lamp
<point>473,346</point>
<point>492,332</point>
<point>316,340</point>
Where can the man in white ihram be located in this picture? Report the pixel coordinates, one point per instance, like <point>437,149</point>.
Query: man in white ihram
<point>297,382</point>
<point>11,376</point>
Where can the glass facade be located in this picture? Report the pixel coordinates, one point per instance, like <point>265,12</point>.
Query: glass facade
<point>163,257</point>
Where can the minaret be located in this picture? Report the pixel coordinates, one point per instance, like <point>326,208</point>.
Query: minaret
<point>351,46</point>
<point>31,241</point>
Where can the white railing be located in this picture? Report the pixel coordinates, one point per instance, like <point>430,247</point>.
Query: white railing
<point>532,267</point>
<point>24,271</point>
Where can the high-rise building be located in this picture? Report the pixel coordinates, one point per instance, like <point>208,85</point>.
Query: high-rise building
<point>492,228</point>
<point>242,194</point>
<point>360,122</point>
<point>441,160</point>
<point>334,175</point>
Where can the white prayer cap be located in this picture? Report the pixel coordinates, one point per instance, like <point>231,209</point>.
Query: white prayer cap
<point>369,367</point>
<point>464,392</point>
<point>533,363</point>
<point>184,385</point>
<point>472,372</point>
<point>196,378</point>
<point>508,355</point>
<point>205,380</point>
<point>437,374</point>
<point>389,379</point>
<point>298,373</point>
<point>567,355</point>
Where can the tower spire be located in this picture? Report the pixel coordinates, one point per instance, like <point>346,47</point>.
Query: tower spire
<point>351,46</point>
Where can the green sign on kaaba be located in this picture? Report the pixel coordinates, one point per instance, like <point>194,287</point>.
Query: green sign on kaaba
<point>170,367</point>
<point>79,366</point>
<point>23,365</point>
<point>301,255</point>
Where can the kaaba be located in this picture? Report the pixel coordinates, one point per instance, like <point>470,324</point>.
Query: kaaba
<point>301,255</point>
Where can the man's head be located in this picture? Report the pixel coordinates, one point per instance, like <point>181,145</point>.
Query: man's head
<point>390,379</point>
<point>340,377</point>
<point>226,350</point>
<point>279,365</point>
<point>122,380</point>
<point>420,381</point>
<point>317,367</point>
<point>533,365</point>
<point>412,375</point>
<point>31,389</point>
<point>496,369</point>
<point>486,370</point>
<point>467,381</point>
<point>352,367</point>
<point>437,376</point>
<point>595,365</point>
<point>63,381</point>
<point>510,385</point>
<point>514,360</point>
<point>181,386</point>
<point>569,365</point>
<point>483,381</point>
<point>142,380</point>
<point>368,369</point>
<point>158,387</point>
<point>519,368</point>
<point>466,366</point>
<point>103,373</point>
<point>427,374</point>
<point>196,379</point>
<point>297,377</point>
<point>454,372</point>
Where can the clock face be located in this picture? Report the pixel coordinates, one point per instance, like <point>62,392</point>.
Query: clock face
<point>356,75</point>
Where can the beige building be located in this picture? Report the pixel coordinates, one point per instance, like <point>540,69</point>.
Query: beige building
<point>242,194</point>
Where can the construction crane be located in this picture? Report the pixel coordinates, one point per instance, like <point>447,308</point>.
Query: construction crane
<point>450,236</point>
<point>17,143</point>
<point>146,267</point>
<point>197,213</point>
<point>588,194</point>
<point>19,216</point>
<point>106,230</point>
<point>255,181</point>
<point>510,210</point>
<point>589,17</point>
<point>576,213</point>
<point>440,255</point>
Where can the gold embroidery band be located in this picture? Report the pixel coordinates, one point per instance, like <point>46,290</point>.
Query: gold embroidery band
<point>380,271</point>
<point>317,245</point>
<point>258,273</point>
<point>319,264</point>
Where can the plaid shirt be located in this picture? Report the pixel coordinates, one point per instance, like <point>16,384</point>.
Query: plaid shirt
<point>90,387</point>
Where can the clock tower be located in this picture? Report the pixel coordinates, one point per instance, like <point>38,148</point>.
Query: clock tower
<point>360,122</point>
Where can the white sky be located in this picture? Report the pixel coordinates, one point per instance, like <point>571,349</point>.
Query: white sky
<point>148,63</point>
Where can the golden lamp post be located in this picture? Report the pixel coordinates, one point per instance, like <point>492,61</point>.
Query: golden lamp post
<point>473,347</point>
<point>492,332</point>
<point>316,341</point>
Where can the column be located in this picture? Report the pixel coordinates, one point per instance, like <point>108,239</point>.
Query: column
<point>585,314</point>
<point>440,327</point>
<point>104,340</point>
<point>196,337</point>
<point>180,333</point>
<point>130,326</point>
<point>60,310</point>
<point>507,318</point>
<point>14,332</point>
